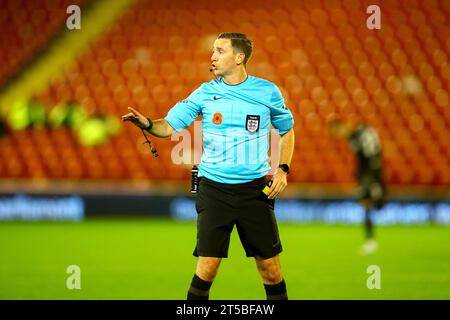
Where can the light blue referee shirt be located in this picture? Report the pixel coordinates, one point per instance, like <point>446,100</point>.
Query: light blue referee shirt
<point>235,126</point>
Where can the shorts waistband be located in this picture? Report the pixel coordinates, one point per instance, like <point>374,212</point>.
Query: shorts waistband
<point>255,182</point>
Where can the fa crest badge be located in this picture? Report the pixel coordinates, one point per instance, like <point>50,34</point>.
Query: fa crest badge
<point>252,123</point>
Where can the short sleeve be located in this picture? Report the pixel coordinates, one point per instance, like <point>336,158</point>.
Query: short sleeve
<point>184,112</point>
<point>281,116</point>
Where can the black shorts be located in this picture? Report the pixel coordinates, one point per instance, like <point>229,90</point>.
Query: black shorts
<point>221,206</point>
<point>373,189</point>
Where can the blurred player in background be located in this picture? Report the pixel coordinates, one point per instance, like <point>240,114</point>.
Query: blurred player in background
<point>237,110</point>
<point>365,143</point>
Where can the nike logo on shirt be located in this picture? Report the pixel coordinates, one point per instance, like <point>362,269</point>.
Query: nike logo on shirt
<point>217,98</point>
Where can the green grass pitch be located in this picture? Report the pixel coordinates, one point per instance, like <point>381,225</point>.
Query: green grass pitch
<point>152,259</point>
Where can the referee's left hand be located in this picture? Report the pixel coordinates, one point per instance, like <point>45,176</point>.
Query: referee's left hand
<point>279,183</point>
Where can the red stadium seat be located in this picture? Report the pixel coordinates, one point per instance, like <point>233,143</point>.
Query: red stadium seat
<point>320,54</point>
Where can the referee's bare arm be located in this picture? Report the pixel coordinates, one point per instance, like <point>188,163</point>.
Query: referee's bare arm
<point>159,128</point>
<point>280,177</point>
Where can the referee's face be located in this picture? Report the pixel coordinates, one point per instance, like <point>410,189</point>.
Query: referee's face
<point>224,61</point>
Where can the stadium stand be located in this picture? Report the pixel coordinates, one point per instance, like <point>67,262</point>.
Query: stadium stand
<point>320,53</point>
<point>27,26</point>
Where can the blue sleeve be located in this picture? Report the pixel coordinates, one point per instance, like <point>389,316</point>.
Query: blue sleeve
<point>184,112</point>
<point>280,115</point>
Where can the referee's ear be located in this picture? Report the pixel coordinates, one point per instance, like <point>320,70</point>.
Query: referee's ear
<point>240,58</point>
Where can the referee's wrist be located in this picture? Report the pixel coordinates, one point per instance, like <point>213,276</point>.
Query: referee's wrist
<point>281,171</point>
<point>284,168</point>
<point>149,126</point>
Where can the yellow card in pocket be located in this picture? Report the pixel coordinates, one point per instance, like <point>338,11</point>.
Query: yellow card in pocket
<point>267,188</point>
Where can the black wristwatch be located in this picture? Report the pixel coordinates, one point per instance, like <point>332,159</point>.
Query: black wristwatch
<point>284,167</point>
<point>150,125</point>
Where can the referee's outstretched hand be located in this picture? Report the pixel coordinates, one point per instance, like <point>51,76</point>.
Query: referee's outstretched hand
<point>136,118</point>
<point>279,183</point>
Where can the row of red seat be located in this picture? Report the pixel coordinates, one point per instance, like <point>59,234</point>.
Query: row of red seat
<point>321,56</point>
<point>26,28</point>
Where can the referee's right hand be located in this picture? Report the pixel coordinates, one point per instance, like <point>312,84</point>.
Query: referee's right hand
<point>136,118</point>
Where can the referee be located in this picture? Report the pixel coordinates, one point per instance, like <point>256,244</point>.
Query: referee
<point>237,110</point>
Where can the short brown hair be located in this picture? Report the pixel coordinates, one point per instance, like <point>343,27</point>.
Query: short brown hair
<point>239,41</point>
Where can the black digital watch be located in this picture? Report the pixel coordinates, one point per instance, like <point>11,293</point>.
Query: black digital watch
<point>284,167</point>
